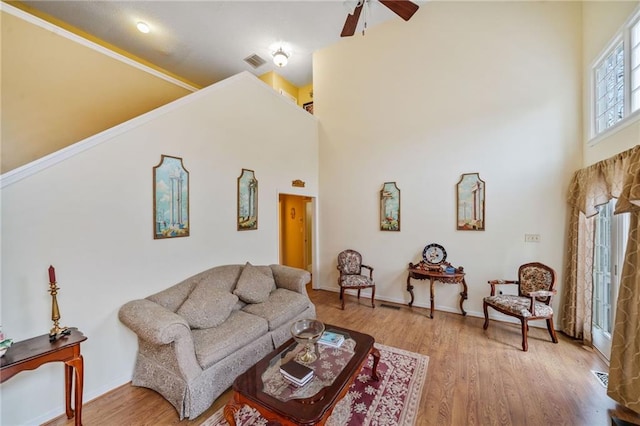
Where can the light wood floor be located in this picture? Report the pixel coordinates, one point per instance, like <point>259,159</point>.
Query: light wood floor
<point>475,377</point>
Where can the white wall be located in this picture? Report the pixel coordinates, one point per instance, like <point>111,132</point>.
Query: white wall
<point>488,87</point>
<point>601,22</point>
<point>91,217</point>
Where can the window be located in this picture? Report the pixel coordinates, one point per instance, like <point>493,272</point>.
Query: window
<point>609,246</point>
<point>635,66</point>
<point>616,78</point>
<point>610,89</point>
<point>602,270</point>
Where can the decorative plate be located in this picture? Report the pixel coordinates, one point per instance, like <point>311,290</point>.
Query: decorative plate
<point>434,254</point>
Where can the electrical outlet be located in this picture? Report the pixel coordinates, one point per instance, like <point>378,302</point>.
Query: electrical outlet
<point>531,238</point>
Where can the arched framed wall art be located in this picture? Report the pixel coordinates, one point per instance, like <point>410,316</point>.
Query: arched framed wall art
<point>470,203</point>
<point>390,207</point>
<point>247,201</point>
<point>170,198</point>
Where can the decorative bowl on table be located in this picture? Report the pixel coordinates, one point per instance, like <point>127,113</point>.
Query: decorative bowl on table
<point>4,346</point>
<point>307,332</point>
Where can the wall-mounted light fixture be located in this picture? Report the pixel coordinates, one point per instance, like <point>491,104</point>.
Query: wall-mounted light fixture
<point>280,57</point>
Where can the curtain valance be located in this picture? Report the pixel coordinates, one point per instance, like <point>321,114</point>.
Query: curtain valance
<point>616,177</point>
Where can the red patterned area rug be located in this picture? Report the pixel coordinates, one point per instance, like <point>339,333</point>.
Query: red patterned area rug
<point>393,400</point>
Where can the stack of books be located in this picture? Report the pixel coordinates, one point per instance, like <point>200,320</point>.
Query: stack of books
<point>332,339</point>
<point>296,373</point>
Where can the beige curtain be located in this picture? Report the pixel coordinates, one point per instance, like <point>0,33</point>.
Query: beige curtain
<point>575,318</point>
<point>624,371</point>
<point>590,187</point>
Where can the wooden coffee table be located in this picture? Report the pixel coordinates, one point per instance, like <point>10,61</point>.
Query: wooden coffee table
<point>249,388</point>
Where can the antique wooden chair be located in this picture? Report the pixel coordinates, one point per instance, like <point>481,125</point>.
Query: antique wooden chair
<point>351,277</point>
<point>533,302</point>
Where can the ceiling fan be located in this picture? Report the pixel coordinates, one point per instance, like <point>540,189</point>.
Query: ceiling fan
<point>403,8</point>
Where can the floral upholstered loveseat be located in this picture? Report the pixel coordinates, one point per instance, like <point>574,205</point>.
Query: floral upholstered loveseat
<point>197,336</point>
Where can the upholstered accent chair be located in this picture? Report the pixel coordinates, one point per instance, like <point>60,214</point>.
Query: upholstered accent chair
<point>533,301</point>
<point>351,277</point>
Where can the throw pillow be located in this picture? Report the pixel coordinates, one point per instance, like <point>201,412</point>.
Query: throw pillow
<point>253,285</point>
<point>207,306</point>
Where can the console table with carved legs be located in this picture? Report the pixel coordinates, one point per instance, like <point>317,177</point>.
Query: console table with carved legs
<point>32,353</point>
<point>439,276</point>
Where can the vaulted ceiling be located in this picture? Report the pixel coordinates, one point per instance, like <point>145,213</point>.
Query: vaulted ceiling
<point>207,41</point>
<point>73,92</point>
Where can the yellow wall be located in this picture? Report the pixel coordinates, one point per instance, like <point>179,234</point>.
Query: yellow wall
<point>280,83</point>
<point>305,94</point>
<point>83,34</point>
<point>277,82</point>
<point>56,91</point>
<point>267,78</point>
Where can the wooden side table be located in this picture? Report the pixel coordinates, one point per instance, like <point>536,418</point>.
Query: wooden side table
<point>32,353</point>
<point>433,276</point>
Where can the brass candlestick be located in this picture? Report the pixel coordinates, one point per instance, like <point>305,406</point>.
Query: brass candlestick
<point>57,331</point>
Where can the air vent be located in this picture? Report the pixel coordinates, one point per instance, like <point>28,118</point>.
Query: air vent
<point>255,61</point>
<point>384,305</point>
<point>603,378</point>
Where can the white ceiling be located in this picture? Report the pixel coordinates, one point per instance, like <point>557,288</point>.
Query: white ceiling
<point>206,41</point>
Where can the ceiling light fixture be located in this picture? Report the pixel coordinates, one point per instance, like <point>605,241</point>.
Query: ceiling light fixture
<point>350,5</point>
<point>280,58</point>
<point>143,27</point>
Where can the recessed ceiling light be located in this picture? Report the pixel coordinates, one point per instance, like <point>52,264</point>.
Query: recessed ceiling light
<point>143,27</point>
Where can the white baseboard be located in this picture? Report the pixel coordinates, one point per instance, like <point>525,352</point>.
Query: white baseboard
<point>87,397</point>
<point>496,316</point>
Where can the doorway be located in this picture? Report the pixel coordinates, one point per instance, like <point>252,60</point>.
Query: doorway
<point>296,231</point>
<point>610,240</point>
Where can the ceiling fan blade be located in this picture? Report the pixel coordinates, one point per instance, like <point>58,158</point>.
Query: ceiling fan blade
<point>403,8</point>
<point>352,22</point>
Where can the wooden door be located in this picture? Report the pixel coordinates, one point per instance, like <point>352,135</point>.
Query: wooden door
<point>293,233</point>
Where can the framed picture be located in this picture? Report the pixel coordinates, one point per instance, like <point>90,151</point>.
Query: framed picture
<point>170,198</point>
<point>470,203</point>
<point>308,107</point>
<point>247,201</point>
<point>390,207</point>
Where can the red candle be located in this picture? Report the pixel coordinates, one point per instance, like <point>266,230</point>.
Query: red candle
<point>52,274</point>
